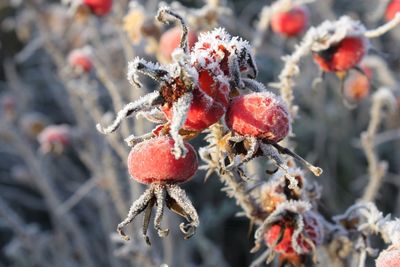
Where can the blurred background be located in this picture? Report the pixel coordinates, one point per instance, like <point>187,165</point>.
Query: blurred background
<point>64,187</point>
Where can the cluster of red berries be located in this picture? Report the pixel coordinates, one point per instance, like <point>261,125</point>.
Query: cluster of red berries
<point>197,89</point>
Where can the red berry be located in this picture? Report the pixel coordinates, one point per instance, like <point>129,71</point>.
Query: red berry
<point>261,115</point>
<point>292,22</point>
<point>279,235</point>
<point>80,58</point>
<point>342,56</point>
<point>171,39</point>
<point>357,87</point>
<point>152,161</point>
<point>215,89</point>
<point>392,9</point>
<point>55,134</point>
<point>213,49</point>
<point>203,112</point>
<point>99,7</point>
<point>389,258</point>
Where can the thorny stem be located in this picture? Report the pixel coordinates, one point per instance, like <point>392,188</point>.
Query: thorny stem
<point>384,28</point>
<point>383,97</point>
<point>52,200</point>
<point>291,70</point>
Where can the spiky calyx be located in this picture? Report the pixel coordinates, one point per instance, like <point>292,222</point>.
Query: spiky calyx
<point>280,236</point>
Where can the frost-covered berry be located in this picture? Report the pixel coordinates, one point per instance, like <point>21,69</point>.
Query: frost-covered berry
<point>55,138</point>
<point>171,39</point>
<point>260,115</point>
<point>342,56</point>
<point>203,111</point>
<point>389,258</point>
<point>391,10</point>
<point>152,161</point>
<point>291,22</point>
<point>80,59</point>
<point>99,7</point>
<point>280,235</point>
<point>218,50</point>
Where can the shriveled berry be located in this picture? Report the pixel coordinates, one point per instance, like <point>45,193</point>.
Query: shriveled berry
<point>291,22</point>
<point>99,7</point>
<point>392,8</point>
<point>80,59</point>
<point>389,258</point>
<point>203,112</point>
<point>261,115</point>
<point>342,56</point>
<point>279,236</point>
<point>171,39</point>
<point>152,161</point>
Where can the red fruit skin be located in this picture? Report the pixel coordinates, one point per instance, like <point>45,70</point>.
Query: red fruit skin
<point>292,22</point>
<point>203,112</point>
<point>152,161</point>
<point>216,90</point>
<point>55,134</point>
<point>343,56</point>
<point>389,258</point>
<point>171,39</point>
<point>80,60</point>
<point>99,7</point>
<point>260,115</point>
<point>357,87</point>
<point>392,9</point>
<point>312,231</point>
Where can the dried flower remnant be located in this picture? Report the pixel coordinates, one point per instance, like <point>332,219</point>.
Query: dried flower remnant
<point>133,21</point>
<point>290,22</point>
<point>162,183</point>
